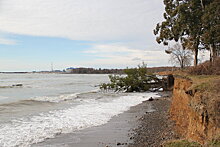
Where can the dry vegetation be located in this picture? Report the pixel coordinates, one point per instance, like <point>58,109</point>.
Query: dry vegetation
<point>206,68</point>
<point>181,143</point>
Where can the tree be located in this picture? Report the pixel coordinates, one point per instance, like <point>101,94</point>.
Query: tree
<point>182,21</point>
<point>211,28</point>
<point>180,56</point>
<point>136,79</point>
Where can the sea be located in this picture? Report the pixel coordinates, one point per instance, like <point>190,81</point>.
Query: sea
<point>47,105</point>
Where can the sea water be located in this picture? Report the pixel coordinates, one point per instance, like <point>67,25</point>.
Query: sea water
<point>47,105</point>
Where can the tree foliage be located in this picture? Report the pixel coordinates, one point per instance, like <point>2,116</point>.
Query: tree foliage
<point>136,79</point>
<point>211,28</point>
<point>190,21</point>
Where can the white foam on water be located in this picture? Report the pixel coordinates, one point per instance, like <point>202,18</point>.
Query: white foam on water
<point>3,97</point>
<point>64,97</point>
<point>55,99</point>
<point>29,130</point>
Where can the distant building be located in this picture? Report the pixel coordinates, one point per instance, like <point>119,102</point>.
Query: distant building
<point>70,70</point>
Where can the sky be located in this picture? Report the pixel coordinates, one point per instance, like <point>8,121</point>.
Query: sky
<point>79,33</point>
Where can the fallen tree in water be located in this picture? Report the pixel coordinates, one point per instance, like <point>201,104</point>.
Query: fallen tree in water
<point>135,80</point>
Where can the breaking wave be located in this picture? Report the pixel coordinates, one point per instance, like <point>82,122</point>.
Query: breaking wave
<point>33,129</point>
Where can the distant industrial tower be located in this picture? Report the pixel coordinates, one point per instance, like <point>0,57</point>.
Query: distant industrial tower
<point>52,66</point>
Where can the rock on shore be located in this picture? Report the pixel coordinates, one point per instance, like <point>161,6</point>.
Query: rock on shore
<point>155,127</point>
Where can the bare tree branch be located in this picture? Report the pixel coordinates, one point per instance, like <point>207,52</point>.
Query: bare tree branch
<point>180,56</point>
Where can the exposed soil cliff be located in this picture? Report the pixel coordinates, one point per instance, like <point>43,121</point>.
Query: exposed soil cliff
<point>196,107</point>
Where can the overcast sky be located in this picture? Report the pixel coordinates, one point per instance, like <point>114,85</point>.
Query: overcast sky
<point>74,33</point>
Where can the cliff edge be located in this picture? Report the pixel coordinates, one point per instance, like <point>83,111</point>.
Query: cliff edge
<point>195,107</point>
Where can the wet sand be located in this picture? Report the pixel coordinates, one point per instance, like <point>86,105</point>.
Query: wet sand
<point>143,125</point>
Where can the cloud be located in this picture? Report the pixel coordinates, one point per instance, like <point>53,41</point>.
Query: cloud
<point>81,19</point>
<point>7,41</point>
<point>106,48</point>
<point>109,55</point>
<point>136,59</point>
<point>9,65</point>
<point>127,24</point>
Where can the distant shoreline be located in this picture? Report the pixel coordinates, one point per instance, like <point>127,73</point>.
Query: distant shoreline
<point>14,72</point>
<point>93,71</point>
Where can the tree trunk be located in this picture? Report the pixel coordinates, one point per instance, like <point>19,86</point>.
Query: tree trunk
<point>202,4</point>
<point>196,50</point>
<point>213,52</point>
<point>196,56</point>
<point>182,65</point>
<point>217,51</point>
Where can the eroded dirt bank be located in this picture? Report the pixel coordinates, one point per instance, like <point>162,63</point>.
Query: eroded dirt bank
<point>195,108</point>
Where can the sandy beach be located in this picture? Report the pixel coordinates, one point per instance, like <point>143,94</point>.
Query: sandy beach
<point>146,124</point>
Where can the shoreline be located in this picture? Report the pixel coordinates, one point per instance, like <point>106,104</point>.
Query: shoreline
<point>155,128</point>
<point>136,127</point>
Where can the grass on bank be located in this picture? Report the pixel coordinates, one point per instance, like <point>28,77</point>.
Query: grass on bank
<point>215,142</point>
<point>181,143</point>
<point>184,143</point>
<point>209,83</point>
<point>205,76</point>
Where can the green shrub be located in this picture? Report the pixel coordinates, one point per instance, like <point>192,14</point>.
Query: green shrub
<point>136,79</point>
